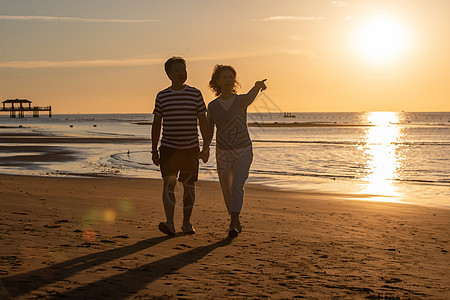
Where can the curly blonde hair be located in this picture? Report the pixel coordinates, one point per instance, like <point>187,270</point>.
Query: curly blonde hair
<point>213,83</point>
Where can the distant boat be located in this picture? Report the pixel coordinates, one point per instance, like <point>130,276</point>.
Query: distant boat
<point>288,115</point>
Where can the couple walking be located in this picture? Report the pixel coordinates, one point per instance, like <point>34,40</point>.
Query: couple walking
<point>177,110</point>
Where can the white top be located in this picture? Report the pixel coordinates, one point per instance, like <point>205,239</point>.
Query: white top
<point>226,104</point>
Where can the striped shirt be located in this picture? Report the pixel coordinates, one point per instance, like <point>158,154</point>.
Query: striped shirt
<point>180,111</point>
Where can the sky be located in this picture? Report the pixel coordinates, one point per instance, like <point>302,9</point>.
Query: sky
<point>107,56</point>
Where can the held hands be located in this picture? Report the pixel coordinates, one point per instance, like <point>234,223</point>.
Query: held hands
<point>204,155</point>
<point>261,85</point>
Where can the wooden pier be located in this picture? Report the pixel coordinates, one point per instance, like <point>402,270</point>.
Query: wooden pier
<point>18,107</point>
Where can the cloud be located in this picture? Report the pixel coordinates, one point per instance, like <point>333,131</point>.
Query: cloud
<point>69,19</point>
<point>128,62</point>
<point>217,57</point>
<point>79,63</point>
<point>340,3</point>
<point>309,54</point>
<point>291,18</point>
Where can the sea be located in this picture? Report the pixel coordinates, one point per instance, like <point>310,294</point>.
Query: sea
<point>382,156</point>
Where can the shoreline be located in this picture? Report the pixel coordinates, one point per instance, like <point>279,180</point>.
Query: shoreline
<point>349,195</point>
<point>97,237</point>
<point>52,154</point>
<point>287,124</point>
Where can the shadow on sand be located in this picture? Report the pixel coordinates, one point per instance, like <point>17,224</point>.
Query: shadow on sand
<point>118,286</point>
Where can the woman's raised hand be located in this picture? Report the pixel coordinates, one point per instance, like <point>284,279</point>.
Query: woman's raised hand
<point>261,85</point>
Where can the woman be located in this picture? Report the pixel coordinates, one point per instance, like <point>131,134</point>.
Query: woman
<point>234,155</point>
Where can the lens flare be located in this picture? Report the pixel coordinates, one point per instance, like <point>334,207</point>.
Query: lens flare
<point>109,215</point>
<point>124,206</point>
<point>91,218</point>
<point>89,235</point>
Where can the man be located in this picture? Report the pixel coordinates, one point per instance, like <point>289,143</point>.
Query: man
<point>178,108</point>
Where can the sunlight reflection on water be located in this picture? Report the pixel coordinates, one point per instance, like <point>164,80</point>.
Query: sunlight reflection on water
<point>383,158</point>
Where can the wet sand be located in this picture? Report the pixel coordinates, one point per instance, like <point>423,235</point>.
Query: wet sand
<point>32,150</point>
<point>86,238</point>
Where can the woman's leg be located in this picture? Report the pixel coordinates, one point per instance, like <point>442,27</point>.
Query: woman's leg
<point>225,172</point>
<point>241,170</point>
<point>226,180</point>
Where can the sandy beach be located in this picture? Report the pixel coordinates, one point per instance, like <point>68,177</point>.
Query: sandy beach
<point>335,115</point>
<point>86,238</point>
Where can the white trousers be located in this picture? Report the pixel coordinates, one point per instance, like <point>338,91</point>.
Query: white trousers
<point>233,168</point>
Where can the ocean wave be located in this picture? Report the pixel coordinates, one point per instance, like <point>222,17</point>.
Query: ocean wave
<point>109,134</point>
<point>299,174</point>
<point>355,143</point>
<point>444,182</point>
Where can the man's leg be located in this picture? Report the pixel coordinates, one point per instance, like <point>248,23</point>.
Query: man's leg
<point>168,197</point>
<point>188,176</point>
<point>188,201</point>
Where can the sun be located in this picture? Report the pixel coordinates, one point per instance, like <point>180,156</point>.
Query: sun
<point>381,39</point>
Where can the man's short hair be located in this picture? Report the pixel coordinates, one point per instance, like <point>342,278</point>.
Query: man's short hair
<point>171,61</point>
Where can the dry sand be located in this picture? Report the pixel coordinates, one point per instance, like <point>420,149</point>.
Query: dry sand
<point>97,238</point>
